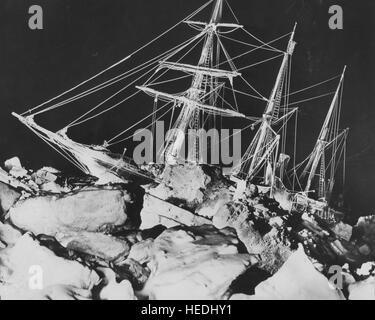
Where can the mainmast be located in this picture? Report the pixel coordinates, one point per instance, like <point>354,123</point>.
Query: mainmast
<point>262,145</point>
<point>318,152</point>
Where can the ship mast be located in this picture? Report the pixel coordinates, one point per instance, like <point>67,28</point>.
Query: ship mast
<point>318,152</point>
<point>262,145</point>
<point>189,115</point>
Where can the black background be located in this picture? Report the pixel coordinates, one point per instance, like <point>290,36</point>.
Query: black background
<point>81,37</point>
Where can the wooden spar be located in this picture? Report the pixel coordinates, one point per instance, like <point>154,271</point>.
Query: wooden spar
<point>217,12</point>
<point>218,25</point>
<point>198,69</point>
<point>188,101</point>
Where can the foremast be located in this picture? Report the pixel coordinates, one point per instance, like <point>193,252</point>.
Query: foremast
<point>192,103</point>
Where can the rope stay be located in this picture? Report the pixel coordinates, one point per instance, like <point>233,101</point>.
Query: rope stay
<point>231,10</point>
<point>246,94</point>
<point>113,139</point>
<point>117,79</point>
<point>265,43</point>
<point>146,127</point>
<point>263,47</point>
<point>315,85</point>
<point>120,77</point>
<point>77,122</point>
<point>254,37</point>
<point>307,99</point>
<point>122,60</point>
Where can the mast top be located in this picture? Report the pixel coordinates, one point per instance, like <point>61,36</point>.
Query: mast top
<point>343,73</point>
<point>217,12</point>
<point>294,28</point>
<point>291,43</point>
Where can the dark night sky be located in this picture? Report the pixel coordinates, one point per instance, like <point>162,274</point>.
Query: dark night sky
<point>81,37</point>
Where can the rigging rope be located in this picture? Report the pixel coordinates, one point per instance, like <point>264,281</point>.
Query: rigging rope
<point>234,15</point>
<point>101,112</point>
<point>155,108</point>
<point>231,10</point>
<point>308,99</point>
<point>149,125</point>
<point>344,167</point>
<point>332,162</point>
<point>264,43</point>
<point>66,156</point>
<point>260,62</point>
<point>226,102</point>
<point>250,45</point>
<point>122,60</point>
<point>169,80</point>
<point>74,123</point>
<point>252,50</point>
<point>113,138</point>
<point>231,63</point>
<point>110,141</point>
<point>315,85</point>
<point>302,162</point>
<point>245,93</point>
<point>255,90</point>
<point>235,98</point>
<point>285,117</point>
<point>169,53</point>
<point>295,148</point>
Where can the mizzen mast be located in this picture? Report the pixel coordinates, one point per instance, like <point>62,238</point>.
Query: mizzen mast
<point>318,154</point>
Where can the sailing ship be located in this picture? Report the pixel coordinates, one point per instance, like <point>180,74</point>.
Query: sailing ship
<point>202,102</point>
<point>195,103</point>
